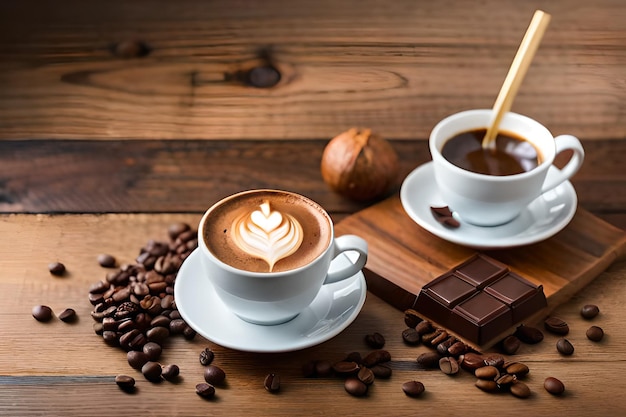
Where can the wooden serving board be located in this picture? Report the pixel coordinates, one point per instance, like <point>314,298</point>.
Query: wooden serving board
<point>403,256</point>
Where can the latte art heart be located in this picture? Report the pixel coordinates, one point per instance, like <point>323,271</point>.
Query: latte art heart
<point>267,234</point>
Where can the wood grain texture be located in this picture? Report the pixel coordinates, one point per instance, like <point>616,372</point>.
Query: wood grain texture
<point>189,175</point>
<point>397,68</point>
<point>61,369</point>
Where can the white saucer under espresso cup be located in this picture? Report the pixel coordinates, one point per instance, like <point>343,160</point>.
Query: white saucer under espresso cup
<point>268,253</point>
<point>491,200</point>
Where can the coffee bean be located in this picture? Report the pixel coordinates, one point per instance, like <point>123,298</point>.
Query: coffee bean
<point>564,347</point>
<point>449,365</point>
<point>160,321</point>
<point>206,357</point>
<point>157,334</point>
<point>68,315</point>
<point>106,261</point>
<point>205,390</point>
<point>272,383</point>
<point>170,372</point>
<point>517,368</point>
<point>427,338</point>
<point>487,385</point>
<point>381,371</point>
<point>42,313</point>
<point>411,318</point>
<point>510,345</point>
<point>177,326</point>
<point>528,334</point>
<point>366,375</point>
<point>375,340</point>
<point>443,335</point>
<point>355,387</point>
<point>99,287</point>
<point>413,388</point>
<point>98,328</point>
<point>493,359</point>
<point>554,386</point>
<point>520,389</point>
<point>354,357</point>
<point>457,348</point>
<point>346,368</point>
<point>323,368</point>
<point>189,333</point>
<point>56,268</point>
<point>424,327</point>
<point>152,371</point>
<point>472,361</point>
<point>429,359</point>
<point>136,359</point>
<point>556,325</point>
<point>214,375</point>
<point>152,350</point>
<point>505,380</point>
<point>589,311</point>
<point>411,336</point>
<point>125,382</point>
<point>110,338</point>
<point>595,333</point>
<point>487,372</point>
<point>376,357</point>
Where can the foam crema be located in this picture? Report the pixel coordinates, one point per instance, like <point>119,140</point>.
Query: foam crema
<point>267,234</point>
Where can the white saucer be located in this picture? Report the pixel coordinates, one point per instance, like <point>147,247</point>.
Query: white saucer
<point>541,219</point>
<point>334,308</point>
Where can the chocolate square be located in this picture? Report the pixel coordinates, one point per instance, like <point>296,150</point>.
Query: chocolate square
<point>437,298</point>
<point>481,270</point>
<point>481,318</point>
<point>521,295</point>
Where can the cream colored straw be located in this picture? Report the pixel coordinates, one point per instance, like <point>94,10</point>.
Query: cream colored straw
<point>516,74</point>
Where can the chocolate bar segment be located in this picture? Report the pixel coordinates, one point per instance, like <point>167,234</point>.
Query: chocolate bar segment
<point>480,270</point>
<point>479,300</point>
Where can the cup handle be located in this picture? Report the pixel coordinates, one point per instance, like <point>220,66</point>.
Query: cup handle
<point>343,244</point>
<point>565,142</point>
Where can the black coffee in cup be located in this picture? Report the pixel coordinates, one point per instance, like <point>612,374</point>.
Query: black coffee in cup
<point>512,154</point>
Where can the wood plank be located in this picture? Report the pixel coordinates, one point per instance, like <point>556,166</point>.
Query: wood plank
<point>403,257</point>
<point>189,175</point>
<point>395,68</point>
<point>65,369</point>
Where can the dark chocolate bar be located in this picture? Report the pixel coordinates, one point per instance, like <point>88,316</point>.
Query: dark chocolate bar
<point>479,300</point>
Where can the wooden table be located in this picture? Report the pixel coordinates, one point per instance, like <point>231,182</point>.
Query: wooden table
<point>119,118</point>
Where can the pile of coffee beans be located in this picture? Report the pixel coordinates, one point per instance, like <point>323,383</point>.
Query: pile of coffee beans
<point>134,306</point>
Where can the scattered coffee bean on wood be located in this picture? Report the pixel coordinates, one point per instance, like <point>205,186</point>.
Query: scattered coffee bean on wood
<point>556,325</point>
<point>152,350</point>
<point>487,372</point>
<point>375,357</point>
<point>355,387</point>
<point>520,389</point>
<point>449,365</point>
<point>472,361</point>
<point>413,388</point>
<point>56,268</point>
<point>366,375</point>
<point>510,345</point>
<point>125,382</point>
<point>375,340</point>
<point>429,359</point>
<point>206,357</point>
<point>529,334</point>
<point>136,359</point>
<point>152,371</point>
<point>107,261</point>
<point>595,333</point>
<point>214,375</point>
<point>589,311</point>
<point>564,347</point>
<point>272,383</point>
<point>554,386</point>
<point>68,315</point>
<point>170,372</point>
<point>346,368</point>
<point>411,336</point>
<point>518,369</point>
<point>411,318</point>
<point>381,371</point>
<point>323,368</point>
<point>487,385</point>
<point>205,390</point>
<point>42,313</point>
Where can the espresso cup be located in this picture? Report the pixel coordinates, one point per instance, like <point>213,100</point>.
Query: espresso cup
<point>491,200</point>
<point>269,252</point>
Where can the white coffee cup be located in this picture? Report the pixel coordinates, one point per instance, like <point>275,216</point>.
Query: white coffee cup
<point>490,200</point>
<point>270,298</point>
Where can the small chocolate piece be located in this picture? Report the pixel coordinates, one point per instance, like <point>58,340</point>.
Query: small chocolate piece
<point>68,315</point>
<point>42,313</point>
<point>556,325</point>
<point>444,216</point>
